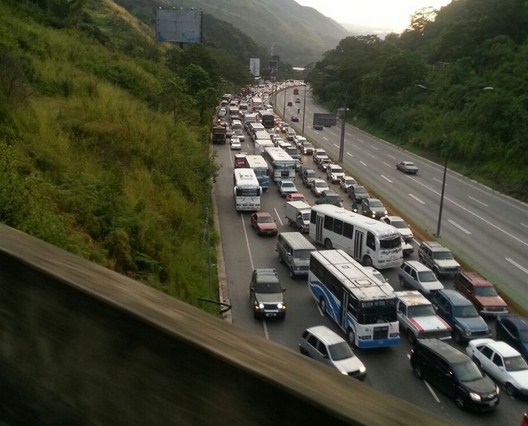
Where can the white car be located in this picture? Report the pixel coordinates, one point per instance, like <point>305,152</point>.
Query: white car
<point>346,181</point>
<point>334,172</point>
<point>502,362</point>
<point>286,186</point>
<point>318,186</point>
<point>401,226</point>
<point>235,143</point>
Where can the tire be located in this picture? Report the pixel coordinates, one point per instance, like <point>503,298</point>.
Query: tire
<point>367,261</point>
<point>510,389</point>
<point>322,305</point>
<point>351,336</point>
<point>403,283</point>
<point>281,259</point>
<point>411,337</point>
<point>459,401</point>
<point>328,244</point>
<point>417,371</point>
<point>477,362</point>
<point>436,272</point>
<point>457,336</point>
<point>292,274</point>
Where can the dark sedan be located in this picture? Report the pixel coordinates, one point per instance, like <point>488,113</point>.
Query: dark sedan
<point>264,224</point>
<point>513,329</point>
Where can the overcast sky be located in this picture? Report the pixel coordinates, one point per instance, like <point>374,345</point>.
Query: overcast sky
<point>379,15</point>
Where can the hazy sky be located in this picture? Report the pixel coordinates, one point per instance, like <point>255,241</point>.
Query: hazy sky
<point>382,15</point>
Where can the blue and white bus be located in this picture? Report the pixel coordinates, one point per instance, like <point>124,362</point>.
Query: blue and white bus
<point>260,167</point>
<point>369,241</point>
<point>247,190</point>
<point>361,305</point>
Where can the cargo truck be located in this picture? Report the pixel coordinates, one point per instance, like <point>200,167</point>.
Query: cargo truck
<point>298,215</point>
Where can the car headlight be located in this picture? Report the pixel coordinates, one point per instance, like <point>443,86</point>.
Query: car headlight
<point>261,305</point>
<point>281,306</point>
<point>362,369</point>
<point>474,396</point>
<point>497,390</point>
<point>467,332</point>
<point>343,372</point>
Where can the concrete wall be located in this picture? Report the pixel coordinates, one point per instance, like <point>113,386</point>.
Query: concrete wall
<point>80,344</point>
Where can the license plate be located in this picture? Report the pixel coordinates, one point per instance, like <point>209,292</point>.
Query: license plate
<point>271,314</point>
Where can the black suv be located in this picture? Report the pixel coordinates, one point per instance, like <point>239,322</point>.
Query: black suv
<point>453,373</point>
<point>266,294</point>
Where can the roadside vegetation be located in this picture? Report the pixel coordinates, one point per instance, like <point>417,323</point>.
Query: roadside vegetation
<point>452,86</point>
<point>104,142</point>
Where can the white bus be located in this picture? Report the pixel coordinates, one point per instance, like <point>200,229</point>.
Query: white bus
<point>260,167</point>
<point>370,242</point>
<point>362,306</point>
<point>280,163</point>
<point>247,190</point>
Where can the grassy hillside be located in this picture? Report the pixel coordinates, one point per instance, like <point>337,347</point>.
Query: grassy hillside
<point>102,152</point>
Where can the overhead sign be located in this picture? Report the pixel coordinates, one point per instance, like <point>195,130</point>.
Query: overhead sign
<point>179,25</point>
<point>254,66</point>
<point>326,120</point>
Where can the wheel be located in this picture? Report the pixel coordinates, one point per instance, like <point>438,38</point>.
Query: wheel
<point>403,284</point>
<point>292,273</point>
<point>351,336</point>
<point>477,362</point>
<point>510,389</point>
<point>367,261</point>
<point>417,370</point>
<point>436,272</point>
<point>459,400</point>
<point>290,223</point>
<point>411,337</point>
<point>328,244</point>
<point>322,304</point>
<point>303,351</point>
<point>457,336</point>
<point>280,259</point>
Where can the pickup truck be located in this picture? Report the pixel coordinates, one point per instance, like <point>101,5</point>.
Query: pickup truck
<point>298,215</point>
<point>418,319</point>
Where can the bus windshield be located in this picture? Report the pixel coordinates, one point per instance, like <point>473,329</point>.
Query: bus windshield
<point>247,192</point>
<point>391,243</point>
<point>379,311</point>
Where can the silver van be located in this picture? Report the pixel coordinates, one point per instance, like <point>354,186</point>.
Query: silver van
<point>294,251</point>
<point>323,345</point>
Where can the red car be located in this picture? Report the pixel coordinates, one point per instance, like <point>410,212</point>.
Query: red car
<point>481,292</point>
<point>295,118</point>
<point>296,196</point>
<point>264,224</point>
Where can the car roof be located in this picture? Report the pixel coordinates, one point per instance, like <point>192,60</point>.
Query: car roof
<point>498,346</point>
<point>475,279</point>
<point>455,297</point>
<point>419,266</point>
<point>262,214</point>
<point>520,322</point>
<point>394,218</point>
<point>443,349</point>
<point>325,334</point>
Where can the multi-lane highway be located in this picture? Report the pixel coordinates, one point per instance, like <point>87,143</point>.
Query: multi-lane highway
<point>370,160</point>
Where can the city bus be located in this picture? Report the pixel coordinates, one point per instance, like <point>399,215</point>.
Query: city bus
<point>280,163</point>
<point>370,242</point>
<point>247,190</point>
<point>361,305</point>
<point>267,119</point>
<point>260,167</point>
<point>261,145</point>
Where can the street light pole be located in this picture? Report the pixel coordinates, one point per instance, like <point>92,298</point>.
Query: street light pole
<point>439,224</point>
<point>343,121</point>
<point>284,106</point>
<point>304,107</point>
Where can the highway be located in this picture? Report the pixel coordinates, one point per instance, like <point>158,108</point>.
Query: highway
<point>388,369</point>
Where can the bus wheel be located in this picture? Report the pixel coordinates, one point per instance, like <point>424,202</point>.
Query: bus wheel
<point>322,304</point>
<point>367,261</point>
<point>351,336</point>
<point>328,244</point>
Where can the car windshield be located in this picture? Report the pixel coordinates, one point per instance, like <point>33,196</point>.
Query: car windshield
<point>302,254</point>
<point>320,184</point>
<point>268,288</point>
<point>467,371</point>
<point>310,173</point>
<point>485,291</point>
<point>287,184</point>
<point>400,224</point>
<point>340,351</point>
<point>515,363</point>
<point>523,336</point>
<point>442,255</point>
<point>426,276</point>
<point>264,219</point>
<point>375,203</point>
<point>468,311</point>
<point>421,311</point>
<point>360,190</point>
<point>337,170</point>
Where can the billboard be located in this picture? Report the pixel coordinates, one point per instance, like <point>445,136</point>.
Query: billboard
<point>179,25</point>
<point>326,120</point>
<point>272,70</point>
<point>254,66</point>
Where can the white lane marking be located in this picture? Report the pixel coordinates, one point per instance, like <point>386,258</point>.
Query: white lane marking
<point>391,156</point>
<point>387,164</point>
<point>363,163</point>
<point>264,326</point>
<point>432,391</point>
<point>524,224</point>
<point>456,225</point>
<point>514,263</point>
<point>247,241</point>
<point>278,216</point>
<point>371,155</point>
<point>386,178</point>
<point>349,154</point>
<point>477,201</point>
<point>375,148</point>
<point>414,197</point>
<point>360,140</point>
<point>473,214</point>
<point>438,180</point>
<point>325,138</point>
<point>336,145</point>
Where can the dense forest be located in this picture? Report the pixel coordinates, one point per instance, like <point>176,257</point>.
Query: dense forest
<point>452,87</point>
<point>104,139</point>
